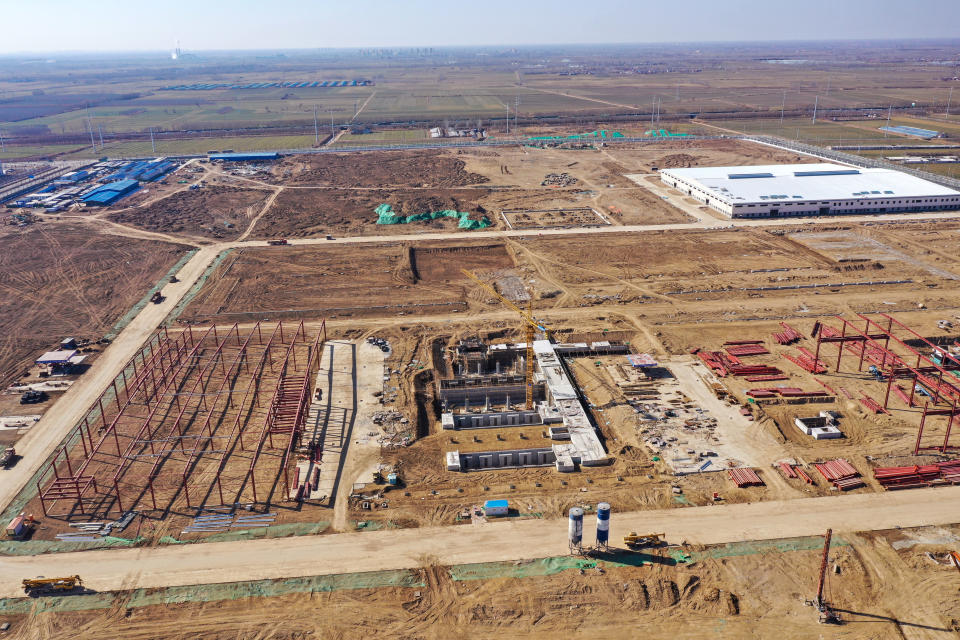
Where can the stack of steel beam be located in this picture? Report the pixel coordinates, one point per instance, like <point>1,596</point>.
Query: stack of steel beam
<point>840,473</point>
<point>747,350</point>
<point>745,478</point>
<point>872,404</point>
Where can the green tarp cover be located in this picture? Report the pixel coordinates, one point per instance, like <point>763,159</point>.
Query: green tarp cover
<point>386,215</point>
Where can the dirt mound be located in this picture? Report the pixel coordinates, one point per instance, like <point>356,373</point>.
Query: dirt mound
<point>678,161</point>
<point>378,169</point>
<point>311,212</point>
<point>211,212</point>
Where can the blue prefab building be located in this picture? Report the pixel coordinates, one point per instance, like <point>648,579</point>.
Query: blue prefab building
<point>110,193</point>
<point>496,508</point>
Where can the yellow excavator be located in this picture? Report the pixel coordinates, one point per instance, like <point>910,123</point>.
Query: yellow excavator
<point>41,584</point>
<point>638,541</point>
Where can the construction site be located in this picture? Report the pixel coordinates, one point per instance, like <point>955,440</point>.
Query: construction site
<point>603,347</point>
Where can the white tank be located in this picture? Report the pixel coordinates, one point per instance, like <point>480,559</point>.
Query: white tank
<point>603,524</point>
<point>576,527</point>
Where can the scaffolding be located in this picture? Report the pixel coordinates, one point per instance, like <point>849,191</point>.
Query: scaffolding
<point>200,417</point>
<point>871,344</point>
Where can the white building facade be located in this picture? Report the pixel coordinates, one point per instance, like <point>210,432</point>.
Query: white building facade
<point>820,189</point>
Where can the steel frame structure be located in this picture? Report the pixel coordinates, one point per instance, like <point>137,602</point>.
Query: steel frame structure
<point>189,396</point>
<point>944,387</point>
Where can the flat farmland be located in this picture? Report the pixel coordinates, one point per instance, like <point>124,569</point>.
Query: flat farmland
<point>61,280</point>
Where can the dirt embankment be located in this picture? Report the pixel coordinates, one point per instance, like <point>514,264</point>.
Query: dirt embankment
<point>212,212</point>
<point>377,169</point>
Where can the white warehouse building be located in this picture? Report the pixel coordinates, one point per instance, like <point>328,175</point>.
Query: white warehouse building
<point>781,190</point>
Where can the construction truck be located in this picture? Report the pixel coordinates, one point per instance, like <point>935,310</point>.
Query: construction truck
<point>278,242</point>
<point>636,541</point>
<point>39,585</point>
<point>7,457</point>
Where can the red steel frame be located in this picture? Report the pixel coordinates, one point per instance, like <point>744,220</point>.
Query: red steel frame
<point>894,366</point>
<point>185,368</point>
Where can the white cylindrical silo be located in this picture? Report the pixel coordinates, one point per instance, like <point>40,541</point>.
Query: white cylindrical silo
<point>603,524</point>
<point>575,531</point>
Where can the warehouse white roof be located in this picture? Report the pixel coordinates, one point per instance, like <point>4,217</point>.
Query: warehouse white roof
<point>804,182</point>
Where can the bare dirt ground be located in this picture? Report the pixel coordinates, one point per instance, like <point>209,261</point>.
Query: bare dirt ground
<point>311,212</point>
<point>67,281</point>
<point>212,212</point>
<point>732,591</point>
<point>375,169</point>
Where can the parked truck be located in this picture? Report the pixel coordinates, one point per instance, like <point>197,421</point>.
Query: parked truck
<point>7,457</point>
<point>278,242</point>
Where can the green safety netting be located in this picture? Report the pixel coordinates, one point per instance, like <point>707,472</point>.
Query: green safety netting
<point>603,134</point>
<point>663,133</point>
<point>386,215</point>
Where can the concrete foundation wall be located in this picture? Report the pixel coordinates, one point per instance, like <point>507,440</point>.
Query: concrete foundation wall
<point>492,420</point>
<point>507,458</point>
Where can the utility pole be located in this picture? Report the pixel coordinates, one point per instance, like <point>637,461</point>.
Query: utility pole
<point>508,118</point>
<point>316,128</point>
<point>332,133</point>
<point>153,143</point>
<point>2,149</point>
<point>100,131</point>
<point>816,103</point>
<point>93,143</point>
<point>516,115</point>
<point>949,99</point>
<point>889,112</point>
<point>782,107</point>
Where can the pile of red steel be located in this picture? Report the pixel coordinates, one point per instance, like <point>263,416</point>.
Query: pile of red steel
<point>807,361</point>
<point>784,392</point>
<point>724,365</point>
<point>872,404</point>
<point>918,475</point>
<point>747,350</point>
<point>745,478</point>
<point>840,473</point>
<point>766,378</point>
<point>789,335</point>
<point>791,471</point>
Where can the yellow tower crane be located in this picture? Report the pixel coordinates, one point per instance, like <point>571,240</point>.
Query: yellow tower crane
<point>531,325</point>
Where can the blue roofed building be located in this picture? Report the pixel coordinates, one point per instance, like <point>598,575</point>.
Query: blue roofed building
<point>109,193</point>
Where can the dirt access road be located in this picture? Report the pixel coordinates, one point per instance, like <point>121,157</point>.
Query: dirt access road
<point>493,541</point>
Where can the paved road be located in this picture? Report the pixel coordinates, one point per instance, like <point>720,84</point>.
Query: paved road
<point>494,541</point>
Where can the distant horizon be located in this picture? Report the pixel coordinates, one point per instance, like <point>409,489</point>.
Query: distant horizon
<point>250,25</point>
<point>189,50</point>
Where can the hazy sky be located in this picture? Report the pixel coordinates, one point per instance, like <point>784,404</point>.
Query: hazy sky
<point>111,25</point>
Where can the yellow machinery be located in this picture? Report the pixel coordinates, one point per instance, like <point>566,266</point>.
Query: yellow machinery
<point>51,584</point>
<point>645,540</point>
<point>531,326</point>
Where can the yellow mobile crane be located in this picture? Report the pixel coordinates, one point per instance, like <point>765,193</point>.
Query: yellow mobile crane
<point>531,326</point>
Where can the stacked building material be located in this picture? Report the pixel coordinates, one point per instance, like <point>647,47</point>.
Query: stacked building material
<point>737,342</point>
<point>784,392</point>
<point>805,363</point>
<point>747,350</point>
<point>840,473</point>
<point>728,364</point>
<point>789,335</point>
<point>788,470</point>
<point>804,476</point>
<point>872,404</point>
<point>844,391</point>
<point>770,378</point>
<point>918,475</point>
<point>745,478</point>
